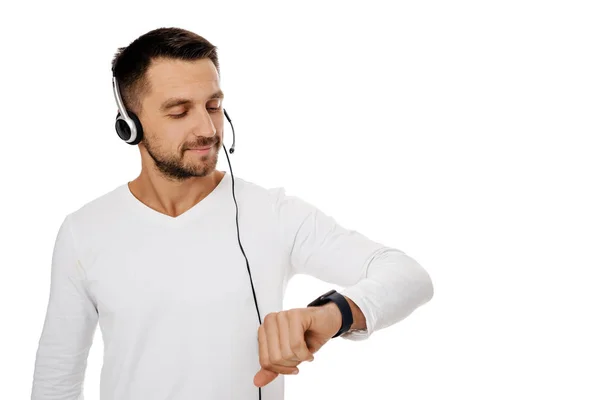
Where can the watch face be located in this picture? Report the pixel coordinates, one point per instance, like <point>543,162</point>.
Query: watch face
<point>318,302</point>
<point>323,299</point>
<point>327,294</point>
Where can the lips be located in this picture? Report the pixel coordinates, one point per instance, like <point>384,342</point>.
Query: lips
<point>201,148</point>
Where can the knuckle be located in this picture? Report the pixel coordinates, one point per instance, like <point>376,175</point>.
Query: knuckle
<point>281,316</point>
<point>270,317</point>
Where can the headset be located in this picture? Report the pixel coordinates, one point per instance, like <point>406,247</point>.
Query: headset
<point>129,128</point>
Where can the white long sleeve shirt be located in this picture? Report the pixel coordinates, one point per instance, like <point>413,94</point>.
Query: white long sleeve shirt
<point>172,295</point>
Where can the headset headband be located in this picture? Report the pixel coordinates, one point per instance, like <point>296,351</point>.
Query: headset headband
<point>118,98</point>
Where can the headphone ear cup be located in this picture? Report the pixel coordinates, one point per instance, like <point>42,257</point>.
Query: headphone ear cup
<point>124,130</point>
<point>138,128</point>
<point>122,127</point>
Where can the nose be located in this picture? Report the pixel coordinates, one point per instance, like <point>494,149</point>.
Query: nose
<point>204,126</point>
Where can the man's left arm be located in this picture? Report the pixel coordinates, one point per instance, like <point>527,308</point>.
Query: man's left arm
<point>384,285</point>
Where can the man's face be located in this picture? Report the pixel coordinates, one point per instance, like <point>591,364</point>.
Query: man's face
<point>180,114</point>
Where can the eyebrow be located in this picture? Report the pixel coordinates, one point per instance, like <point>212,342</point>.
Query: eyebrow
<point>177,101</point>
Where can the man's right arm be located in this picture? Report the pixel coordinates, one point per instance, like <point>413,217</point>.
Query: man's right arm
<point>69,326</point>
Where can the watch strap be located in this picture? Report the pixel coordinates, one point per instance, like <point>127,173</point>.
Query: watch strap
<point>342,304</point>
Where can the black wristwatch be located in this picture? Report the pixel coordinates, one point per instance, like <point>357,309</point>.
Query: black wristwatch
<point>342,304</point>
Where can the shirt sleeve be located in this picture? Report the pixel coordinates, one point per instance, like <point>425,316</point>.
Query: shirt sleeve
<point>386,284</point>
<point>69,326</point>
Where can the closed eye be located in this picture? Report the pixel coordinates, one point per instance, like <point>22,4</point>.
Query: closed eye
<point>183,114</point>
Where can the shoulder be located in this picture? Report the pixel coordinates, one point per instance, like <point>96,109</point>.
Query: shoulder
<point>284,206</point>
<point>272,204</point>
<point>101,210</point>
<point>256,193</point>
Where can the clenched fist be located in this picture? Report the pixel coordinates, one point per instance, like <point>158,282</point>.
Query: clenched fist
<point>287,338</point>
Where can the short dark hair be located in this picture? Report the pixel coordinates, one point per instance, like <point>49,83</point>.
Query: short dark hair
<point>130,63</point>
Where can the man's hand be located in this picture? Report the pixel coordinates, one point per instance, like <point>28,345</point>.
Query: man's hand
<point>287,338</point>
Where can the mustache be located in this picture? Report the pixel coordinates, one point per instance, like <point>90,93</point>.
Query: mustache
<point>204,141</point>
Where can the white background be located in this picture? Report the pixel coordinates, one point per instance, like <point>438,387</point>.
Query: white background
<point>464,133</point>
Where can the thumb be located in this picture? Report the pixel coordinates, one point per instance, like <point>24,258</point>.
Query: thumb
<point>264,377</point>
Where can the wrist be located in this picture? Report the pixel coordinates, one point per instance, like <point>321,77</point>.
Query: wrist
<point>335,310</point>
<point>334,315</point>
<point>358,318</point>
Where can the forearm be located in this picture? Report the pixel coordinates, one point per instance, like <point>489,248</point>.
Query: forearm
<point>394,285</point>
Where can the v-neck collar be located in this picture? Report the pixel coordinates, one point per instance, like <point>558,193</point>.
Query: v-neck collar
<point>202,206</point>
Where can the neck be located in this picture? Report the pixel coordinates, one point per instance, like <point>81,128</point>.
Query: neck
<point>172,197</point>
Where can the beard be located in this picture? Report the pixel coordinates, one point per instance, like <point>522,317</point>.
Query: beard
<point>173,166</point>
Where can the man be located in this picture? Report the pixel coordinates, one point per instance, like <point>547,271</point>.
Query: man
<point>158,264</point>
